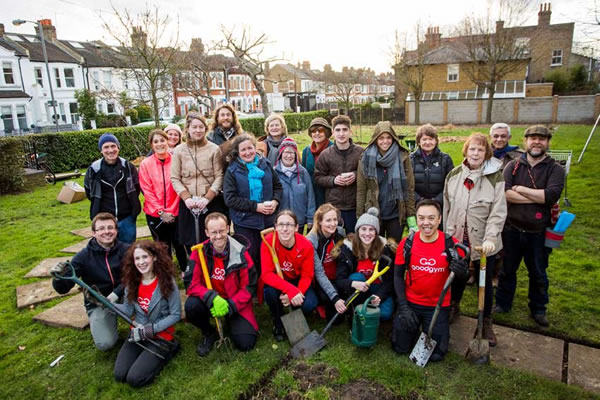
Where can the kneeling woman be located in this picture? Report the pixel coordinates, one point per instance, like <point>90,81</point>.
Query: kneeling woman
<point>356,259</point>
<point>227,262</point>
<point>292,284</point>
<point>151,294</point>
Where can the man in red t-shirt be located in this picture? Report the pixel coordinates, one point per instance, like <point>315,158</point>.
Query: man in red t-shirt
<point>228,263</point>
<point>426,272</point>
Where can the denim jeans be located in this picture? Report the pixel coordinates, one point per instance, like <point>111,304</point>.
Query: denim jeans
<point>403,340</point>
<point>127,230</point>
<point>530,247</point>
<point>386,307</point>
<point>271,296</point>
<point>349,218</point>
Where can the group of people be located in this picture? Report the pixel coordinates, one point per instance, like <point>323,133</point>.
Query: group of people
<point>202,183</point>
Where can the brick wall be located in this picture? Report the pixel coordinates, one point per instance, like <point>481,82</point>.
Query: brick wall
<point>529,110</point>
<point>539,89</point>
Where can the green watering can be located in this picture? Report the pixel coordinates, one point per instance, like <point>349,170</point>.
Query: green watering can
<point>365,324</point>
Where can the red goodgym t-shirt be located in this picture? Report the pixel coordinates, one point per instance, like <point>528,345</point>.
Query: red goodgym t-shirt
<point>144,298</point>
<point>217,278</point>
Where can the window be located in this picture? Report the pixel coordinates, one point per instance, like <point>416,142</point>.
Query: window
<point>57,77</point>
<point>110,108</point>
<point>39,78</point>
<point>522,43</point>
<point>74,110</point>
<point>107,79</point>
<point>556,57</point>
<point>77,45</point>
<point>96,80</point>
<point>7,118</point>
<point>63,116</point>
<point>7,71</point>
<point>452,72</point>
<point>69,77</point>
<point>22,117</point>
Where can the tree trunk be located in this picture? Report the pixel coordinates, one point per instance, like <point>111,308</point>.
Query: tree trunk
<point>263,98</point>
<point>155,108</point>
<point>490,103</point>
<point>417,111</point>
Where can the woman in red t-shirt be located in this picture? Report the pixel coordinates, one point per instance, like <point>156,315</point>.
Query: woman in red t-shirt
<point>293,284</point>
<point>152,298</point>
<point>356,259</point>
<point>324,235</point>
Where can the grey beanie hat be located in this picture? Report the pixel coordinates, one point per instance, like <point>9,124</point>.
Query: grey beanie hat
<point>371,217</point>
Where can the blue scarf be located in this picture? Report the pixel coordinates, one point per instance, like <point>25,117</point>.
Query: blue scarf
<point>255,176</point>
<point>499,154</point>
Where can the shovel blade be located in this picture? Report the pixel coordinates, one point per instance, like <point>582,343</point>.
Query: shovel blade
<point>295,325</point>
<point>422,350</point>
<point>308,346</point>
<point>479,351</point>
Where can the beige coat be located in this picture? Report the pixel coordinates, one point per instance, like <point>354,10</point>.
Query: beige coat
<point>367,189</point>
<point>197,170</point>
<point>483,207</point>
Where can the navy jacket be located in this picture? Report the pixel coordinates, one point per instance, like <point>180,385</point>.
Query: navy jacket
<point>430,173</point>
<point>298,194</point>
<point>236,191</point>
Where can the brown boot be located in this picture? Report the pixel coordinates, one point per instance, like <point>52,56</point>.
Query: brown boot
<point>488,331</point>
<point>454,311</point>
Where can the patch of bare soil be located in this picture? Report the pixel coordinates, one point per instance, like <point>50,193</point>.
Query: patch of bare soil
<point>448,139</point>
<point>309,376</point>
<point>365,389</point>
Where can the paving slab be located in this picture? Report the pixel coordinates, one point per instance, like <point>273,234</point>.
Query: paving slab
<point>77,247</point>
<point>183,297</point>
<point>84,232</point>
<point>38,292</point>
<point>584,367</point>
<point>68,314</point>
<point>42,269</point>
<point>142,232</point>
<point>538,354</point>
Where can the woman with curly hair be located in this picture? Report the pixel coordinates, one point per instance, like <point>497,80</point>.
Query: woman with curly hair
<point>152,297</point>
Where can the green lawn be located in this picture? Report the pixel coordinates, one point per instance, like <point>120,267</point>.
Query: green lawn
<point>35,226</point>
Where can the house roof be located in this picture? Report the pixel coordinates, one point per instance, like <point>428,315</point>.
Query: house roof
<point>96,53</point>
<point>298,72</point>
<point>13,94</point>
<point>33,45</point>
<point>450,54</point>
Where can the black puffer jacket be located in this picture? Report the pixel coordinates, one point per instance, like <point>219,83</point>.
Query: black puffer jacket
<point>97,266</point>
<point>430,173</point>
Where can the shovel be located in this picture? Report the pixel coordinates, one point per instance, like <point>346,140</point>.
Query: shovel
<point>425,345</point>
<point>313,342</point>
<point>479,348</point>
<point>294,322</point>
<point>223,340</point>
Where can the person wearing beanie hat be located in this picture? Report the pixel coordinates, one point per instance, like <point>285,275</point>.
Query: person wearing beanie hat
<point>276,133</point>
<point>298,194</point>
<point>112,185</point>
<point>320,132</point>
<point>385,167</point>
<point>356,258</point>
<point>174,135</point>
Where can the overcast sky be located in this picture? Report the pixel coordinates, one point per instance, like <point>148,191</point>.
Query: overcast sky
<point>352,33</point>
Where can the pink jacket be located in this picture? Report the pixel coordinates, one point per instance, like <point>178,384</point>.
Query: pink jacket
<point>155,181</point>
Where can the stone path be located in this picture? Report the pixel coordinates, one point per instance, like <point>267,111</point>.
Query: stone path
<point>77,247</point>
<point>38,292</point>
<point>141,232</point>
<point>584,367</point>
<point>42,269</point>
<point>68,314</point>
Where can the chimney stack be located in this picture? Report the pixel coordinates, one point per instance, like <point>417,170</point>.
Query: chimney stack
<point>306,65</point>
<point>544,14</point>
<point>1,30</point>
<point>49,29</point>
<point>433,37</point>
<point>499,26</point>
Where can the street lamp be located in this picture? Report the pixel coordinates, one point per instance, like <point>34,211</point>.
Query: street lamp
<point>18,22</point>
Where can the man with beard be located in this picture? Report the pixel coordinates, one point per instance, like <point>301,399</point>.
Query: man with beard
<point>533,183</point>
<point>225,125</point>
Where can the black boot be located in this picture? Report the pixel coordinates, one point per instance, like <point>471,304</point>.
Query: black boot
<point>205,345</point>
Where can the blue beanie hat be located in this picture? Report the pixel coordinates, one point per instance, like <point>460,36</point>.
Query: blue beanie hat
<point>108,138</point>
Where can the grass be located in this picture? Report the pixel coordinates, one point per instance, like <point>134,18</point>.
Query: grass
<point>35,226</point>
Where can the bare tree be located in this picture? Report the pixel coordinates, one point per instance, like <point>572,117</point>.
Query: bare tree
<point>150,53</point>
<point>342,84</point>
<point>410,66</point>
<point>247,50</point>
<point>491,50</point>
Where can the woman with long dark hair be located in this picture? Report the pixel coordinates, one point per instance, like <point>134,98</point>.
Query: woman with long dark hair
<point>152,298</point>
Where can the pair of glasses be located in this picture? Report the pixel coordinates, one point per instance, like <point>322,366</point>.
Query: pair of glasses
<point>105,228</point>
<point>318,130</point>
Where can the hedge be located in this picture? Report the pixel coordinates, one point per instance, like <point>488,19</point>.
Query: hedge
<point>70,150</point>
<point>294,121</point>
<point>11,165</point>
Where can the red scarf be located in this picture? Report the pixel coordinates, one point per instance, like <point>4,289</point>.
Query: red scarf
<point>316,151</point>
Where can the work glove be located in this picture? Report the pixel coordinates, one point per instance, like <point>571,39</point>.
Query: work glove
<point>112,297</point>
<point>91,298</point>
<point>488,247</point>
<point>141,333</point>
<point>220,307</point>
<point>459,267</point>
<point>60,268</point>
<point>412,223</point>
<point>407,318</point>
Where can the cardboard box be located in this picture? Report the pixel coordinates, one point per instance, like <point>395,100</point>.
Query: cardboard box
<point>71,192</point>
